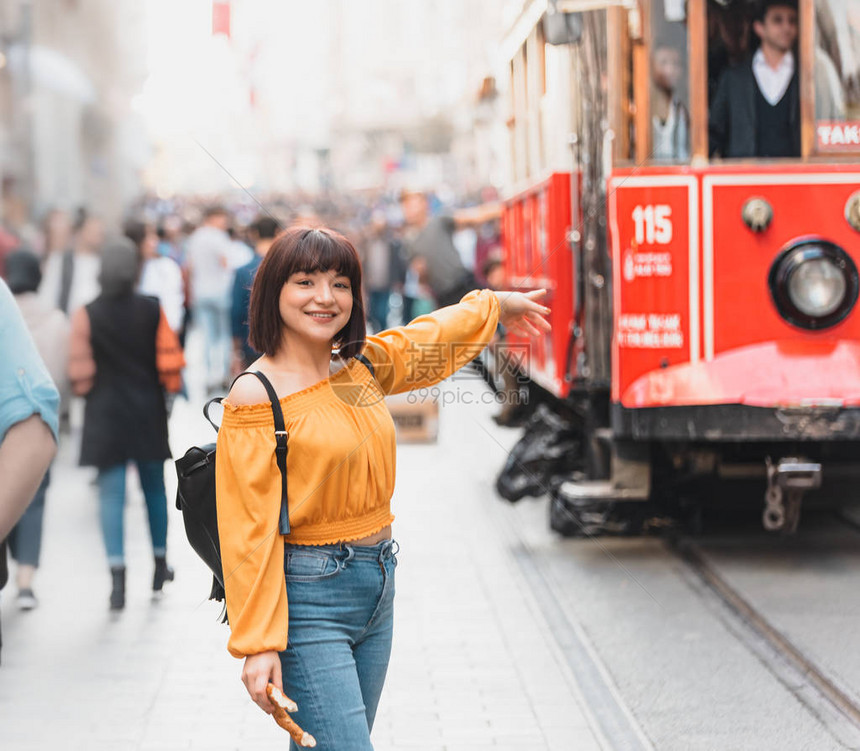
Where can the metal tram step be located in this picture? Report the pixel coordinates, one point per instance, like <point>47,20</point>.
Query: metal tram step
<point>586,508</point>
<point>599,490</point>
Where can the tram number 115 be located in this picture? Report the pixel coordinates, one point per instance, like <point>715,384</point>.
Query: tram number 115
<point>653,224</point>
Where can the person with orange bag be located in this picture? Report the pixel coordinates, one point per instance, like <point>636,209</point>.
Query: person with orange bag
<point>123,356</point>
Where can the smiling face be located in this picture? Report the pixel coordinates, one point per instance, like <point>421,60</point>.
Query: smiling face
<point>308,289</point>
<point>316,305</point>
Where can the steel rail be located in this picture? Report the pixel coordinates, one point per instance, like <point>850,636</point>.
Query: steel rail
<point>825,690</point>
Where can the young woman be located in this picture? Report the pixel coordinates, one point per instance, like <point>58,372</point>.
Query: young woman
<point>336,567</point>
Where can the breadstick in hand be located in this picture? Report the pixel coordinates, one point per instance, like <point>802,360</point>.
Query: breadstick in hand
<point>283,705</point>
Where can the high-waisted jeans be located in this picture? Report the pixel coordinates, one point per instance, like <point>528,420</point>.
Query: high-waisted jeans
<point>341,605</point>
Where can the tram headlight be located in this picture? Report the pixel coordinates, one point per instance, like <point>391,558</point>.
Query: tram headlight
<point>814,284</point>
<point>817,287</point>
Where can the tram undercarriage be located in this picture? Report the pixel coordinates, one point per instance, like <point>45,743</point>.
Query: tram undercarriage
<point>663,469</point>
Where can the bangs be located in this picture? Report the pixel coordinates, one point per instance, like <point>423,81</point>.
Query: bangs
<point>319,250</point>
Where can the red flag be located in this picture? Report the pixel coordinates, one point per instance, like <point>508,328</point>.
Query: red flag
<point>221,18</point>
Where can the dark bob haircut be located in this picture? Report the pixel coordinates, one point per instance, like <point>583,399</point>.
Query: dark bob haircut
<point>304,250</point>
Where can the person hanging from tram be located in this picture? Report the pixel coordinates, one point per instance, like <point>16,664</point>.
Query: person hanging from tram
<point>756,107</point>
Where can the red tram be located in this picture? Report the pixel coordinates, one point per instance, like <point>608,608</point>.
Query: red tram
<point>704,309</point>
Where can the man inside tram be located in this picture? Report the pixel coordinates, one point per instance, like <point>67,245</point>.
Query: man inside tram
<point>671,120</point>
<point>756,108</point>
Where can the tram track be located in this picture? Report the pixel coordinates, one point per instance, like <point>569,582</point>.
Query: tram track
<point>609,715</point>
<point>821,693</point>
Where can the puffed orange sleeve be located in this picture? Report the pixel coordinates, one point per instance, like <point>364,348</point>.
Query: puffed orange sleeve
<point>248,498</point>
<point>433,346</point>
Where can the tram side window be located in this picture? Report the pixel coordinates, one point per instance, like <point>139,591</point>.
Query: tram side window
<point>670,112</point>
<point>753,80</point>
<point>837,75</point>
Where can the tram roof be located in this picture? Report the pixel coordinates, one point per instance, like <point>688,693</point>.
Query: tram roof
<point>534,10</point>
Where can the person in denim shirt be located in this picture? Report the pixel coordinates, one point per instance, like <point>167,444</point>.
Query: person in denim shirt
<point>29,403</point>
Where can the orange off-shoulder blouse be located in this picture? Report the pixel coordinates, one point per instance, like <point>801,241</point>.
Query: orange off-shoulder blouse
<point>340,463</point>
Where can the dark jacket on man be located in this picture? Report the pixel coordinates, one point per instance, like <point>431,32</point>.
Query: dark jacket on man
<point>743,124</point>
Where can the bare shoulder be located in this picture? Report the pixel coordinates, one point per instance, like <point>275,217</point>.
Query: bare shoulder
<point>247,390</point>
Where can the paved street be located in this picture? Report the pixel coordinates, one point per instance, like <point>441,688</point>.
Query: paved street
<point>474,664</point>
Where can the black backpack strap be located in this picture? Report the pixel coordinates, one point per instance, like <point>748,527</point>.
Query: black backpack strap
<point>219,399</point>
<point>367,363</point>
<point>281,436</point>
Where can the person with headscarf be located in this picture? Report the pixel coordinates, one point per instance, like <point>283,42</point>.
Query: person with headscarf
<point>123,357</point>
<point>49,328</point>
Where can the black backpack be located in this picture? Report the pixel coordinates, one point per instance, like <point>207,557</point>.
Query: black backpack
<point>195,493</point>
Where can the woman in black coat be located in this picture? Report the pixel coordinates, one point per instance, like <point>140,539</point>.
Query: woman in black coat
<point>123,356</point>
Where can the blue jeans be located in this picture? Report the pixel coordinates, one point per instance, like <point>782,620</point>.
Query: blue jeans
<point>112,507</point>
<point>341,600</point>
<point>25,540</point>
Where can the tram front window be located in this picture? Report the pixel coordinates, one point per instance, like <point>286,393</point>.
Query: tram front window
<point>755,110</point>
<point>837,75</point>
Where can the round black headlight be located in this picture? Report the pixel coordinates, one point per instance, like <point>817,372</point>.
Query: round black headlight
<point>814,284</point>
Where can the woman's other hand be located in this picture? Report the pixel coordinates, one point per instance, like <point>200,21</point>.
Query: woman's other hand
<point>260,670</point>
<point>521,313</point>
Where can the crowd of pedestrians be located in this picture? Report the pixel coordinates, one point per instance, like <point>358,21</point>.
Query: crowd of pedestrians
<point>101,314</point>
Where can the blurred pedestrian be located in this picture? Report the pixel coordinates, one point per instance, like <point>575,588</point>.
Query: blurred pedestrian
<point>56,233</point>
<point>430,245</point>
<point>71,278</point>
<point>241,252</point>
<point>29,405</point>
<point>49,328</point>
<point>28,414</point>
<point>160,275</point>
<point>209,254</point>
<point>172,244</point>
<point>335,568</point>
<point>262,232</point>
<point>8,244</point>
<point>383,269</point>
<point>170,239</point>
<point>123,356</point>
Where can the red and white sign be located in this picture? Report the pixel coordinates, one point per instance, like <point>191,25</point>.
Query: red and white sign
<point>838,136</point>
<point>650,331</point>
<point>654,233</point>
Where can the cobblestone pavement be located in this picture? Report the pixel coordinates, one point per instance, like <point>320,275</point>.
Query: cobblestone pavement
<point>474,665</point>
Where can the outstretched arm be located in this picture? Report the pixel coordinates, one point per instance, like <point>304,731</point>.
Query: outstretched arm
<point>433,346</point>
